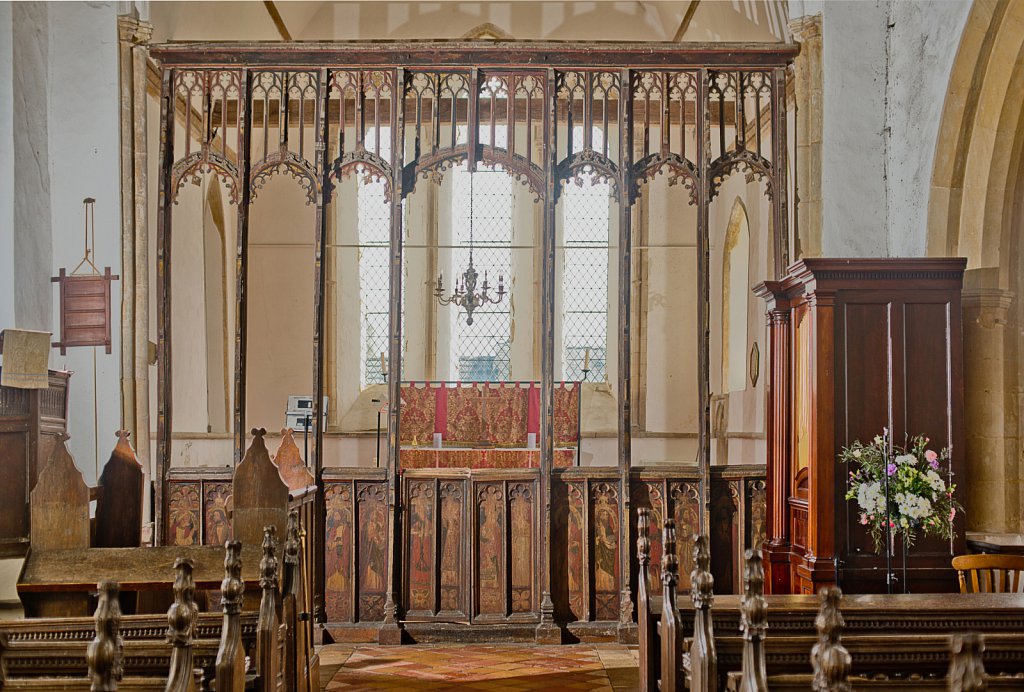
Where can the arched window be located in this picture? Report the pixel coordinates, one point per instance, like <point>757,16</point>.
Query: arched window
<point>735,293</point>
<point>585,222</point>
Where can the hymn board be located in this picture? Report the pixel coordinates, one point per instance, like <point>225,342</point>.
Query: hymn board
<point>423,540</point>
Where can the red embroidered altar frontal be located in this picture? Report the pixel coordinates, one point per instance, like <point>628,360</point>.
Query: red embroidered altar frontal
<point>459,458</point>
<point>483,415</point>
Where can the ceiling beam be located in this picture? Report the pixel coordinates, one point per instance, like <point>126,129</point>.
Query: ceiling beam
<point>278,21</point>
<point>687,18</point>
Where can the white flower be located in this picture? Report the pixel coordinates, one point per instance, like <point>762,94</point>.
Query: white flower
<point>906,459</point>
<point>935,480</point>
<point>870,498</point>
<point>913,506</point>
<point>856,453</point>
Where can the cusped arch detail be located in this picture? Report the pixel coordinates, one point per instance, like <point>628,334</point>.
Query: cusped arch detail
<point>290,164</point>
<point>681,171</point>
<point>193,167</point>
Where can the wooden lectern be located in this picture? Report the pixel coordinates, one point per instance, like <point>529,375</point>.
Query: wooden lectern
<point>855,346</point>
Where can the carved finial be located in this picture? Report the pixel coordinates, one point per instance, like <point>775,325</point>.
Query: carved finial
<point>702,583</point>
<point>669,561</point>
<point>966,667</point>
<point>643,541</point>
<point>181,622</point>
<point>753,624</point>
<point>292,540</point>
<point>123,435</point>
<point>181,616</point>
<point>829,658</point>
<point>232,587</point>
<point>753,607</point>
<point>258,433</point>
<point>104,654</point>
<point>268,563</point>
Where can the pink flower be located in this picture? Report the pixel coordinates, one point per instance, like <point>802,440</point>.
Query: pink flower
<point>952,513</point>
<point>932,457</point>
<point>863,519</point>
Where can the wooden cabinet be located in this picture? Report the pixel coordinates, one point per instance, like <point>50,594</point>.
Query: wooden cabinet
<point>31,423</point>
<point>855,346</point>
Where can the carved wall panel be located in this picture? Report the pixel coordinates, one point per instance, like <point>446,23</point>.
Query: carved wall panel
<point>339,557</point>
<point>183,517</point>
<point>217,504</point>
<point>605,550</point>
<point>490,554</point>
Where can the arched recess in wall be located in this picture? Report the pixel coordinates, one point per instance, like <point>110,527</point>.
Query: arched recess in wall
<point>219,317</point>
<point>975,212</point>
<point>735,294</point>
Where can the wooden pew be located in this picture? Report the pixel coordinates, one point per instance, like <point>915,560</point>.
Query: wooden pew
<point>282,647</point>
<point>886,635</point>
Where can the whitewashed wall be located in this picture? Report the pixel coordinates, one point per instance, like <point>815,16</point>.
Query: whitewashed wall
<point>886,70</point>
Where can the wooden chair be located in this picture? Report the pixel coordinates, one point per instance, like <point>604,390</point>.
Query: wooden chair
<point>990,573</point>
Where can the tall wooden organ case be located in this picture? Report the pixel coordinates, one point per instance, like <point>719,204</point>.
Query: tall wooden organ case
<point>857,345</point>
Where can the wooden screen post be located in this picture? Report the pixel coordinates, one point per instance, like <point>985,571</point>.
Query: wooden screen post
<point>163,300</point>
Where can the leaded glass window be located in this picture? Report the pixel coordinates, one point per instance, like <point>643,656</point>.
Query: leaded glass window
<point>585,225</point>
<point>374,216</point>
<point>482,351</point>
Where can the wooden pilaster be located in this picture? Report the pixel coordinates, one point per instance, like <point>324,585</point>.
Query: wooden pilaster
<point>163,299</point>
<point>242,259</point>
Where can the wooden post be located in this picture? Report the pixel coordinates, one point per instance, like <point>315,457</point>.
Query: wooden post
<point>829,658</point>
<point>105,652</point>
<point>242,259</point>
<point>391,630</point>
<point>703,125</point>
<point>163,300</point>
<point>703,658</point>
<point>645,623</point>
<point>181,621</point>
<point>547,631</point>
<point>626,195</point>
<point>966,668</point>
<point>780,205</point>
<point>231,654</point>
<point>267,651</point>
<point>323,209</point>
<point>671,636</point>
<point>753,624</point>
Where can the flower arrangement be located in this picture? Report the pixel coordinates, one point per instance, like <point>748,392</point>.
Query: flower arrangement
<point>920,494</point>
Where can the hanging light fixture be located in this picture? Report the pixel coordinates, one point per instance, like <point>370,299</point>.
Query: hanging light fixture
<point>464,294</point>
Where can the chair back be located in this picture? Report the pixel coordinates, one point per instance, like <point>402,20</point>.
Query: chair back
<point>990,573</point>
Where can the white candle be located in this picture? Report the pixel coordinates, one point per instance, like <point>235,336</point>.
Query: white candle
<point>586,359</point>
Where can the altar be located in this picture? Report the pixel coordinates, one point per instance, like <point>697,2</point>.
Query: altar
<point>485,424</point>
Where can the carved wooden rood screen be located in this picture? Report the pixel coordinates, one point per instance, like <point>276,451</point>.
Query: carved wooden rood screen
<point>435,548</point>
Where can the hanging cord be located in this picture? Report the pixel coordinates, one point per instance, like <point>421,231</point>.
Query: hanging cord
<point>471,218</point>
<point>90,239</point>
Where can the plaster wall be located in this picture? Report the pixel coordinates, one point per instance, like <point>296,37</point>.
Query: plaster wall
<point>885,67</point>
<point>84,161</point>
<point>6,166</point>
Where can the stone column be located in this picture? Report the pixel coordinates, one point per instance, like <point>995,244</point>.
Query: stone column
<point>808,102</point>
<point>990,434</point>
<point>133,53</point>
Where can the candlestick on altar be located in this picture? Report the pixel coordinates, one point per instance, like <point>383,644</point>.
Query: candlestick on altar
<point>383,367</point>
<point>586,358</point>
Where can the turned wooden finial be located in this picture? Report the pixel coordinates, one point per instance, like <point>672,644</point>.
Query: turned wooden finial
<point>643,541</point>
<point>829,658</point>
<point>181,622</point>
<point>753,624</point>
<point>669,561</point>
<point>703,657</point>
<point>292,540</point>
<point>966,667</point>
<point>232,587</point>
<point>702,583</point>
<point>105,652</point>
<point>671,630</point>
<point>231,654</point>
<point>268,563</point>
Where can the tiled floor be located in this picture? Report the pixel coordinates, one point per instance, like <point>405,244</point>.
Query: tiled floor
<point>609,667</point>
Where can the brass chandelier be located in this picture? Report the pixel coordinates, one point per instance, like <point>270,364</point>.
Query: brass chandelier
<point>464,294</point>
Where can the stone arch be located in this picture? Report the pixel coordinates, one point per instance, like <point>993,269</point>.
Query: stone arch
<point>974,211</point>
